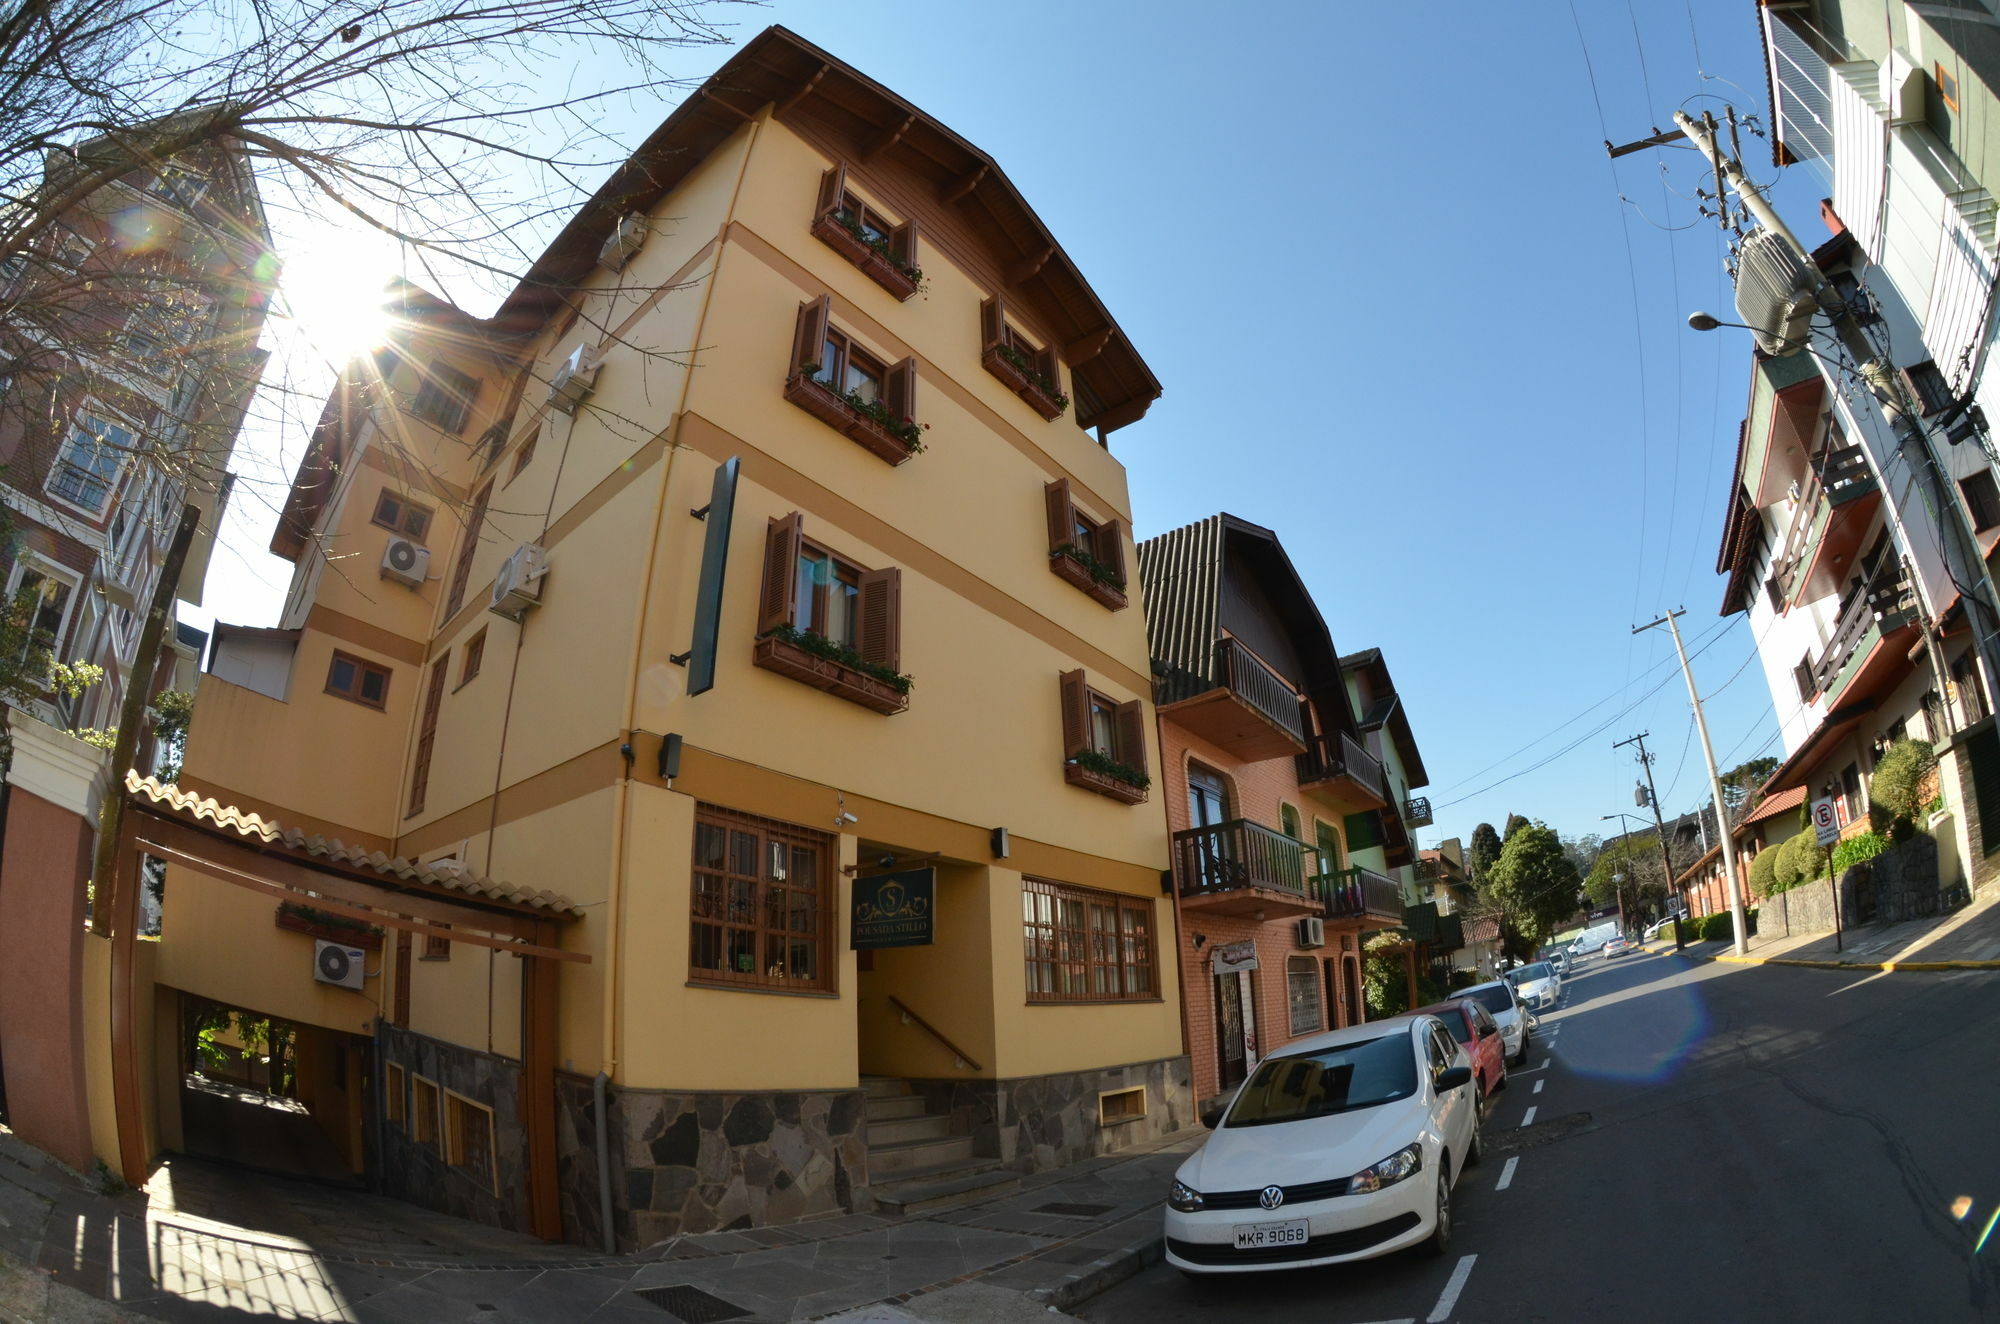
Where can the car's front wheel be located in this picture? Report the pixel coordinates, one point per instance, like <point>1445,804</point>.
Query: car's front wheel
<point>1521,1058</point>
<point>1439,1241</point>
<point>1476,1150</point>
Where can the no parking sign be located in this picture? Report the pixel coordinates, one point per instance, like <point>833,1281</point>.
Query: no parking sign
<point>1825,826</point>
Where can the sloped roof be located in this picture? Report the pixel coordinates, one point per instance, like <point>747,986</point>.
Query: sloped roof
<point>1774,804</point>
<point>449,875</point>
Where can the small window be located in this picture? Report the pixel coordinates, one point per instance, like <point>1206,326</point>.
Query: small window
<point>1364,830</point>
<point>428,1122</point>
<point>437,947</point>
<point>350,677</point>
<point>849,369</point>
<point>401,515</point>
<point>475,653</point>
<point>525,456</point>
<point>1288,821</point>
<point>39,599</point>
<point>1947,87</point>
<point>763,913</point>
<point>469,1138</point>
<point>1927,384</point>
<point>1982,499</point>
<point>808,590</point>
<point>395,1095</point>
<point>1086,946</point>
<point>1127,1105</point>
<point>445,398</point>
<point>1302,993</point>
<point>827,596</point>
<point>1802,676</point>
<point>87,468</point>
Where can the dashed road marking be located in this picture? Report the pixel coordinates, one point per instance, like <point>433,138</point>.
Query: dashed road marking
<point>1538,1085</point>
<point>1529,1120</point>
<point>1507,1174</point>
<point>1442,1310</point>
<point>1545,1063</point>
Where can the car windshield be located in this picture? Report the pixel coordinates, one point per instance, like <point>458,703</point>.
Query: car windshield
<point>1455,1021</point>
<point>1494,997</point>
<point>1333,1080</point>
<point>1529,973</point>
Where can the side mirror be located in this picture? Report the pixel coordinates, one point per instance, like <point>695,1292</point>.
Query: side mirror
<point>1488,1031</point>
<point>1211,1117</point>
<point>1452,1078</point>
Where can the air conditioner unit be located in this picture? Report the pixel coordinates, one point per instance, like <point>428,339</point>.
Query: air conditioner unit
<point>1775,293</point>
<point>1312,932</point>
<point>575,379</point>
<point>518,584</point>
<point>336,963</point>
<point>406,562</point>
<point>625,241</point>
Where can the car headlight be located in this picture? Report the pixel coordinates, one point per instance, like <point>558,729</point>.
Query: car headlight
<point>1184,1198</point>
<point>1405,1162</point>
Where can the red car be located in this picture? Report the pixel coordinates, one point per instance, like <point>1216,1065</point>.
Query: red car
<point>1473,1026</point>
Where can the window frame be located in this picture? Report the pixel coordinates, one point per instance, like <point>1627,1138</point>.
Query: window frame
<point>1065,952</point>
<point>474,658</point>
<point>1946,84</point>
<point>426,1124</point>
<point>60,464</point>
<point>525,454</point>
<point>26,562</point>
<point>766,832</point>
<point>820,603</point>
<point>445,397</point>
<point>838,347</point>
<point>1927,385</point>
<point>420,763</point>
<point>1982,498</point>
<point>436,946</point>
<point>362,666</point>
<point>395,1095</point>
<point>406,514</point>
<point>454,1107</point>
<point>1304,968</point>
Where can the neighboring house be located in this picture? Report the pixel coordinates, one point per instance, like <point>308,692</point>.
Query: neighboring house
<point>1440,877</point>
<point>1704,884</point>
<point>1265,777</point>
<point>1849,571</point>
<point>510,537</point>
<point>128,354</point>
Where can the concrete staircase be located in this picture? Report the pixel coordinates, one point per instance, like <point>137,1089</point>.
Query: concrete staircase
<point>915,1164</point>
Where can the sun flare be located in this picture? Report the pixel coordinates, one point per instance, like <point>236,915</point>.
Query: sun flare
<point>341,311</point>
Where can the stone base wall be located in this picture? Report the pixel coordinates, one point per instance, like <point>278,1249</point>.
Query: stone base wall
<point>702,1162</point>
<point>1900,883</point>
<point>1036,1122</point>
<point>419,1173</point>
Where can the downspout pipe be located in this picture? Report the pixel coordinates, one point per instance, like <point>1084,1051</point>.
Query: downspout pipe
<point>603,1112</point>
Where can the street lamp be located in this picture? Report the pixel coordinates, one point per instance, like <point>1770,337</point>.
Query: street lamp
<point>1701,321</point>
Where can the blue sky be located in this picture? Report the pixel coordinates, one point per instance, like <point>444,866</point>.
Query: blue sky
<point>1379,260</point>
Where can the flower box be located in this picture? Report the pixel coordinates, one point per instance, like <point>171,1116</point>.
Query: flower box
<point>1072,571</point>
<point>818,400</point>
<point>367,939</point>
<point>873,265</point>
<point>1022,385</point>
<point>790,660</point>
<point>1123,792</point>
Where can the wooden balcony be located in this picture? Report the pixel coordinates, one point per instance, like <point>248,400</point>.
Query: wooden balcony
<point>1360,894</point>
<point>1870,646</point>
<point>1242,868</point>
<point>1339,765</point>
<point>1417,812</point>
<point>1246,709</point>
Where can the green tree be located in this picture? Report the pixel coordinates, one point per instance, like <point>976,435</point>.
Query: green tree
<point>1534,882</point>
<point>1741,784</point>
<point>1896,792</point>
<point>172,711</point>
<point>1484,851</point>
<point>1514,824</point>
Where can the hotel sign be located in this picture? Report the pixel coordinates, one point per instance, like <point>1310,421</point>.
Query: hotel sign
<point>895,909</point>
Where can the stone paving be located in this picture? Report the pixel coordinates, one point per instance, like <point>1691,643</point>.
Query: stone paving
<point>208,1243</point>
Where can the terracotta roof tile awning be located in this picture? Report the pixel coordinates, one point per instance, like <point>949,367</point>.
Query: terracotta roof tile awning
<point>446,874</point>
<point>1774,804</point>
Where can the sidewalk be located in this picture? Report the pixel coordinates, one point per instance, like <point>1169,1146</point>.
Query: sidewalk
<point>1966,939</point>
<point>208,1243</point>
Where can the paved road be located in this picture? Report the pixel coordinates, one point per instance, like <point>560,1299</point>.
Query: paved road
<point>1698,1140</point>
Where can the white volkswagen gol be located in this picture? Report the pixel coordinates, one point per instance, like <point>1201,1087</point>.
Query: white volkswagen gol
<point>1539,986</point>
<point>1342,1147</point>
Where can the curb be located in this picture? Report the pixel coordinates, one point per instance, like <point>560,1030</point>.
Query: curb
<point>1886,967</point>
<point>1100,1275</point>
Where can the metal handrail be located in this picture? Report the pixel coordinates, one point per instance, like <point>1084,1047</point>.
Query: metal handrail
<point>911,1018</point>
<point>1353,893</point>
<point>1417,811</point>
<point>1260,687</point>
<point>1341,756</point>
<point>1237,854</point>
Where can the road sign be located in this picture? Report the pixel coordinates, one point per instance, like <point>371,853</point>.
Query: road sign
<point>1825,826</point>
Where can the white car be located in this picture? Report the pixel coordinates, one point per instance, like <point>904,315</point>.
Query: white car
<point>1538,985</point>
<point>1344,1146</point>
<point>1515,1021</point>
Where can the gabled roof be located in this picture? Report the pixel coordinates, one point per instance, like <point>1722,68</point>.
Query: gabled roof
<point>1774,804</point>
<point>1388,710</point>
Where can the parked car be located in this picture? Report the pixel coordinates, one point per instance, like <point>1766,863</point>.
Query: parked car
<point>1663,929</point>
<point>1344,1146</point>
<point>1617,947</point>
<point>1479,1035</point>
<point>1537,985</point>
<point>1514,1020</point>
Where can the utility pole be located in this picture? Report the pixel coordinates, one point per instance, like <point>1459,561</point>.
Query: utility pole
<point>1737,919</point>
<point>1653,797</point>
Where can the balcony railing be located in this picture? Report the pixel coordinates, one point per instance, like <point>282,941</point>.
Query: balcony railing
<point>1230,856</point>
<point>1260,687</point>
<point>1331,758</point>
<point>1417,811</point>
<point>1359,894</point>
<point>1261,717</point>
<point>1844,474</point>
<point>1887,600</point>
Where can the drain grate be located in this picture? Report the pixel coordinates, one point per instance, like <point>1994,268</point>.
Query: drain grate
<point>1073,1210</point>
<point>690,1304</point>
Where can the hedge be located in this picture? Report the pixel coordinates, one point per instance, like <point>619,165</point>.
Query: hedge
<point>1719,928</point>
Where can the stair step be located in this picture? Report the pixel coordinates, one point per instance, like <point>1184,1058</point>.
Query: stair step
<point>884,1087</point>
<point>888,1110</point>
<point>921,1127</point>
<point>920,1197</point>
<point>897,1157</point>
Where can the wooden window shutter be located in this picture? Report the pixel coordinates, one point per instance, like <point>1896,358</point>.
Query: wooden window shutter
<point>1075,713</point>
<point>992,324</point>
<point>1050,365</point>
<point>899,391</point>
<point>831,185</point>
<point>879,630</point>
<point>781,572</point>
<point>809,338</point>
<point>1062,515</point>
<point>1130,731</point>
<point>903,242</point>
<point>420,775</point>
<point>1110,549</point>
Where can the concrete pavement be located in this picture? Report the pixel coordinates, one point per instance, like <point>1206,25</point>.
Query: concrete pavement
<point>1966,939</point>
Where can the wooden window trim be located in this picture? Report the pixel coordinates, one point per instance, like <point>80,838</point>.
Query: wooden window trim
<point>754,918</point>
<point>445,397</point>
<point>525,456</point>
<point>395,1096</point>
<point>461,573</point>
<point>410,520</point>
<point>420,769</point>
<point>1947,86</point>
<point>896,270</point>
<point>436,946</point>
<point>878,629</point>
<point>1105,546</point>
<point>1075,700</point>
<point>820,392</point>
<point>1068,953</point>
<point>475,657</point>
<point>419,1117</point>
<point>454,1150</point>
<point>362,667</point>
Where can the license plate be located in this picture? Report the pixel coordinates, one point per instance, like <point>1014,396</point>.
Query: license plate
<point>1257,1236</point>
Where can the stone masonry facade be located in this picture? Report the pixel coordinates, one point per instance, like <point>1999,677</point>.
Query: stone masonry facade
<point>419,1171</point>
<point>1037,1122</point>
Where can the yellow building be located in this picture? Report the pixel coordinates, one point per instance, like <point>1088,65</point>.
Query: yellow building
<point>765,542</point>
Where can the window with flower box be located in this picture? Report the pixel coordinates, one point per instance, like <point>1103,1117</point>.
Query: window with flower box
<point>829,623</point>
<point>1084,945</point>
<point>1104,741</point>
<point>884,250</point>
<point>1085,552</point>
<point>852,390</point>
<point>762,910</point>
<point>1031,371</point>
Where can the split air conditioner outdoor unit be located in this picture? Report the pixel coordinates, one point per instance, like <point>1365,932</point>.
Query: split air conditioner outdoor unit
<point>518,584</point>
<point>1312,932</point>
<point>575,379</point>
<point>334,963</point>
<point>626,240</point>
<point>1774,293</point>
<point>405,562</point>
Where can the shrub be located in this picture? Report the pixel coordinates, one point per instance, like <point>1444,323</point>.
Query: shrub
<point>1720,926</point>
<point>1856,849</point>
<point>1897,786</point>
<point>1764,872</point>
